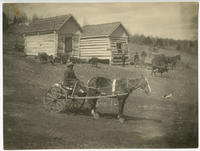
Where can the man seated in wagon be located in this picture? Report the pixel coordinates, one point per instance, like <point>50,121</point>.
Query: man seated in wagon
<point>71,81</point>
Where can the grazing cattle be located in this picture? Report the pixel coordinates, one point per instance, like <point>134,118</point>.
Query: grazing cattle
<point>104,86</point>
<point>158,69</point>
<point>94,61</point>
<point>43,57</point>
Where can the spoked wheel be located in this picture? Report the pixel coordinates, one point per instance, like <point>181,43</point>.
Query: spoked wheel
<point>74,105</point>
<point>55,99</point>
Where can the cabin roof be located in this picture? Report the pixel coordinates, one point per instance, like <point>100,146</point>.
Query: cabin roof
<point>100,30</point>
<point>49,24</point>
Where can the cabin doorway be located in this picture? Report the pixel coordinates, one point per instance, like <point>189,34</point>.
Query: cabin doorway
<point>68,45</point>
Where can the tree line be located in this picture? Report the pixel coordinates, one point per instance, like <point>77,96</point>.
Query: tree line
<point>18,19</point>
<point>190,46</point>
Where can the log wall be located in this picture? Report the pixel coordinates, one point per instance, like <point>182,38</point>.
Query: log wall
<point>41,43</point>
<point>116,55</point>
<point>95,47</point>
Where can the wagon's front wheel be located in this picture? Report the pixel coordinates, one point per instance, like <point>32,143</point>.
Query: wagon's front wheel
<point>54,99</point>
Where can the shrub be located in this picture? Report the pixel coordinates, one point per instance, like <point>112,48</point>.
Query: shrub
<point>19,48</point>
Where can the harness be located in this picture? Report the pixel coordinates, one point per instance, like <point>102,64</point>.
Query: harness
<point>114,86</point>
<point>114,82</point>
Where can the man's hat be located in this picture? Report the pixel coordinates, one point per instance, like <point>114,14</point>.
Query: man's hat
<point>70,64</point>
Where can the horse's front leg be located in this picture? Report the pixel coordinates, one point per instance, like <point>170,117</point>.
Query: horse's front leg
<point>121,108</point>
<point>93,103</point>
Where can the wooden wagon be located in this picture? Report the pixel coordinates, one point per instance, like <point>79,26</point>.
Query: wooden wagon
<point>57,99</point>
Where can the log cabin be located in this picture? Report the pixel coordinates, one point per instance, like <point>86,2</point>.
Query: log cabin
<point>105,41</point>
<point>54,35</point>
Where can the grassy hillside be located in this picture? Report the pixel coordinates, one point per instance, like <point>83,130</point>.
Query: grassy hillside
<point>152,122</point>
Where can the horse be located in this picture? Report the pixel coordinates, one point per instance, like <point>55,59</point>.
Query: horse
<point>162,60</point>
<point>159,60</point>
<point>98,86</point>
<point>158,69</point>
<point>173,60</point>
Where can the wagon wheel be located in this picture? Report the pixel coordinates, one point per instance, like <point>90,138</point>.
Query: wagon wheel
<point>55,99</point>
<point>74,105</point>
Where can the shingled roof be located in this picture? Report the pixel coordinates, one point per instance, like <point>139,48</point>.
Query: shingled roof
<point>49,24</point>
<point>101,29</point>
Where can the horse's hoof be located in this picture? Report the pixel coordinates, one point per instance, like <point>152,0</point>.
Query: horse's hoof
<point>96,116</point>
<point>121,120</point>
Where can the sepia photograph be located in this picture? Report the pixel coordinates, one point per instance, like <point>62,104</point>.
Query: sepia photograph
<point>117,75</point>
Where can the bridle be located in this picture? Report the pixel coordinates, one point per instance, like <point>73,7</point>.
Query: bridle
<point>142,84</point>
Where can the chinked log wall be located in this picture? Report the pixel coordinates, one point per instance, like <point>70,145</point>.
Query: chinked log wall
<point>41,43</point>
<point>116,56</point>
<point>95,47</point>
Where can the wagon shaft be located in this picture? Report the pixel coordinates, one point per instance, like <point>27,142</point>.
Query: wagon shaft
<point>98,97</point>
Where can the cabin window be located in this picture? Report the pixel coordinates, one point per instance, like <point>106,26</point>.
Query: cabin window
<point>119,47</point>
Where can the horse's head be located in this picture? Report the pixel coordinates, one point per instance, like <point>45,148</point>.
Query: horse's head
<point>141,83</point>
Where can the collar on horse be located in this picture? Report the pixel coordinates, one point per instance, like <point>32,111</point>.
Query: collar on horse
<point>114,86</point>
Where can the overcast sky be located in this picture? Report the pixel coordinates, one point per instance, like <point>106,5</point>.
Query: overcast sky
<point>166,20</point>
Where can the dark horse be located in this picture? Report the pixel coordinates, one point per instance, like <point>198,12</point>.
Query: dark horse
<point>159,64</point>
<point>103,86</point>
<point>158,69</point>
<point>163,61</point>
<point>160,60</point>
<point>173,60</point>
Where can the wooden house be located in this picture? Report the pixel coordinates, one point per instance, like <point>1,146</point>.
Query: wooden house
<point>105,41</point>
<point>60,34</point>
